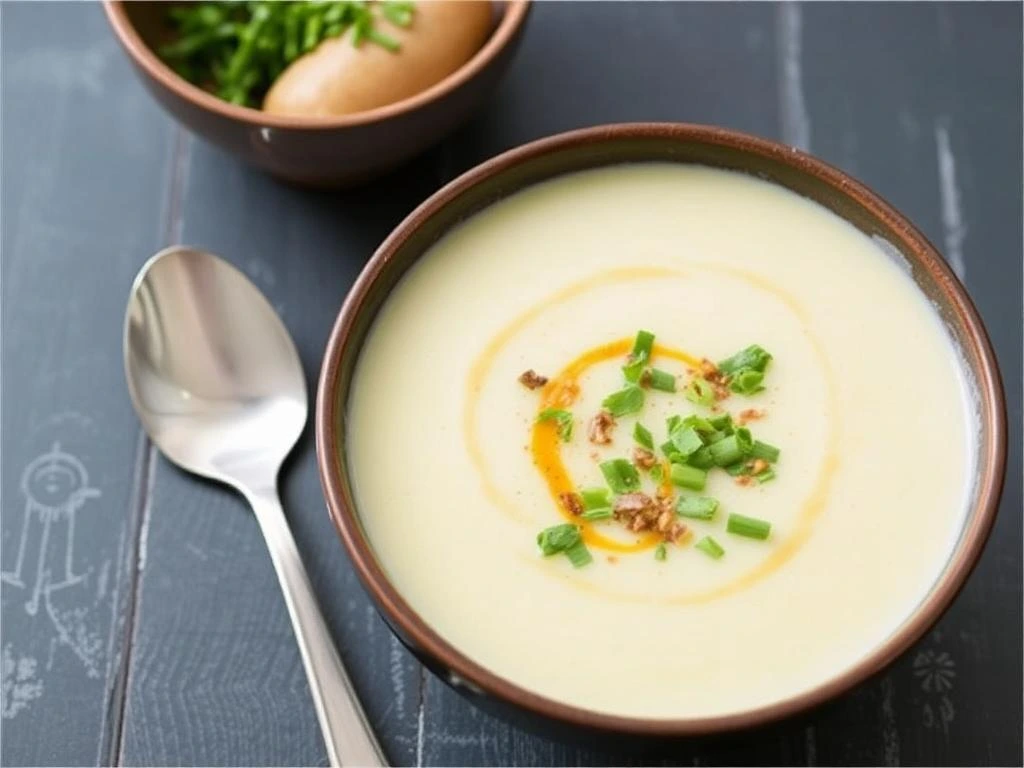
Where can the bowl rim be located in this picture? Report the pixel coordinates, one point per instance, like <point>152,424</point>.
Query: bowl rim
<point>992,453</point>
<point>512,20</point>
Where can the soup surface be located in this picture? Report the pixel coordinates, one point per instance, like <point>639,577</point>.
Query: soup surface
<point>454,477</point>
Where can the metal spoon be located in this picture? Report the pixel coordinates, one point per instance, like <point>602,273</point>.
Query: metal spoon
<point>217,384</point>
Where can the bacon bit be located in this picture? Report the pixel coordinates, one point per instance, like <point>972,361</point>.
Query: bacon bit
<point>643,458</point>
<point>600,429</point>
<point>744,480</point>
<point>757,466</point>
<point>676,531</point>
<point>633,503</point>
<point>532,380</point>
<point>749,414</point>
<point>664,521</point>
<point>639,523</point>
<point>572,503</point>
<point>721,391</point>
<point>709,370</point>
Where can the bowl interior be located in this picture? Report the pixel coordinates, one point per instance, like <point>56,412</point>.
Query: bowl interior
<point>679,144</point>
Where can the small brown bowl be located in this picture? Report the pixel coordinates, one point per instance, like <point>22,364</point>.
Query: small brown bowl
<point>676,143</point>
<point>339,151</point>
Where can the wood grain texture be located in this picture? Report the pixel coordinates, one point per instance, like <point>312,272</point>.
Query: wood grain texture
<point>921,101</point>
<point>84,158</point>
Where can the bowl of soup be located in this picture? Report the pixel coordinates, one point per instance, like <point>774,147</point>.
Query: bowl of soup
<point>321,93</point>
<point>659,429</point>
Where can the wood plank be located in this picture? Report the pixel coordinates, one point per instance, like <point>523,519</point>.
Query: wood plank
<point>84,163</point>
<point>216,677</point>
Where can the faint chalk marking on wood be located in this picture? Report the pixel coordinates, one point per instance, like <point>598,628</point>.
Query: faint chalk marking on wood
<point>796,123</point>
<point>20,684</point>
<point>936,671</point>
<point>954,228</point>
<point>55,486</point>
<point>890,734</point>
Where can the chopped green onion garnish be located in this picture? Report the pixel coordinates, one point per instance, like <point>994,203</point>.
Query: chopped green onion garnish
<point>688,477</point>
<point>735,447</point>
<point>671,453</point>
<point>686,441</point>
<point>710,547</point>
<point>558,538</point>
<point>700,391</point>
<point>702,459</point>
<point>638,358</point>
<point>597,514</point>
<point>620,475</point>
<point>672,423</point>
<point>699,423</point>
<point>662,380</point>
<point>764,451</point>
<point>750,527</point>
<point>765,475</point>
<point>562,418</point>
<point>737,469</point>
<point>722,423</point>
<point>657,473</point>
<point>578,554</point>
<point>697,507</point>
<point>753,357</point>
<point>747,382</point>
<point>627,400</point>
<point>660,552</point>
<point>643,436</point>
<point>595,498</point>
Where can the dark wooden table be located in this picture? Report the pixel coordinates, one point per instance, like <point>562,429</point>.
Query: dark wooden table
<point>153,632</point>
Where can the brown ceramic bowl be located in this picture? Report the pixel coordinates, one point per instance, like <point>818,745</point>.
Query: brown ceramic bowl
<point>675,143</point>
<point>318,151</point>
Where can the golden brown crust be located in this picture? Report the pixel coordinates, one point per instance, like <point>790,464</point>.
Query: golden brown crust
<point>643,458</point>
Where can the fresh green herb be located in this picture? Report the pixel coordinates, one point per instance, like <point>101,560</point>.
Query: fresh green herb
<point>697,507</point>
<point>238,49</point>
<point>597,514</point>
<point>627,400</point>
<point>747,382</point>
<point>674,456</point>
<point>764,451</point>
<point>687,441</point>
<point>595,498</point>
<point>737,469</point>
<point>620,475</point>
<point>661,380</point>
<point>562,418</point>
<point>753,357</point>
<point>643,436</point>
<point>564,538</point>
<point>722,423</point>
<point>642,347</point>
<point>702,459</point>
<point>750,527</point>
<point>660,551</point>
<point>672,423</point>
<point>578,554</point>
<point>688,477</point>
<point>657,473</point>
<point>699,423</point>
<point>735,447</point>
<point>710,547</point>
<point>557,538</point>
<point>765,476</point>
<point>699,391</point>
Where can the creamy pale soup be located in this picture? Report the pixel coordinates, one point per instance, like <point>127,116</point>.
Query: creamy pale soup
<point>455,476</point>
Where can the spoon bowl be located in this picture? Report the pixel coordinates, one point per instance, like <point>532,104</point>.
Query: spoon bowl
<point>212,371</point>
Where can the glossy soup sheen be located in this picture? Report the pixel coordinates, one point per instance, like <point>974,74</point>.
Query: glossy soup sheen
<point>865,397</point>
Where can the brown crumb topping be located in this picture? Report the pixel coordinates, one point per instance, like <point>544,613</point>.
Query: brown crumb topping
<point>757,466</point>
<point>599,431</point>
<point>748,415</point>
<point>745,480</point>
<point>643,458</point>
<point>532,380</point>
<point>572,503</point>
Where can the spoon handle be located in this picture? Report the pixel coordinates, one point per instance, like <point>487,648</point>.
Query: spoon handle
<point>347,734</point>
